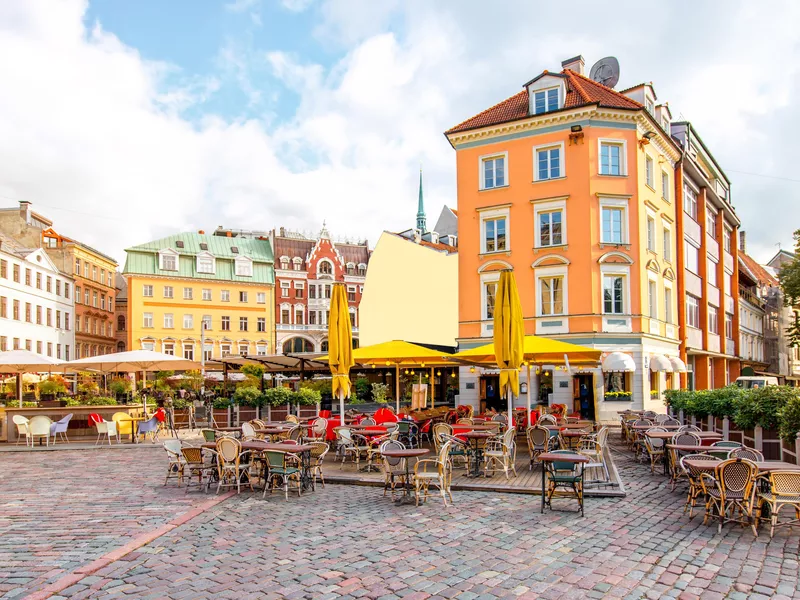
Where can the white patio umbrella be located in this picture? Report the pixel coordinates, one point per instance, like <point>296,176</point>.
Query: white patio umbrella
<point>25,361</point>
<point>133,360</point>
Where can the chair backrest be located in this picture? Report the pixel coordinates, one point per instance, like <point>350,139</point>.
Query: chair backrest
<point>248,430</point>
<point>641,422</point>
<point>318,450</point>
<point>404,426</point>
<point>228,450</point>
<point>748,453</point>
<point>563,466</point>
<point>94,418</point>
<point>500,418</point>
<point>295,433</point>
<point>692,428</point>
<point>727,444</point>
<point>671,422</point>
<point>320,426</point>
<point>785,483</point>
<point>65,420</point>
<point>39,425</point>
<point>649,414</point>
<point>173,448</point>
<point>275,459</point>
<point>367,421</point>
<point>655,443</point>
<point>344,434</point>
<point>547,419</point>
<point>392,461</point>
<point>602,436</point>
<point>659,419</point>
<point>209,435</point>
<point>20,420</point>
<point>537,437</point>
<point>258,424</point>
<point>192,454</point>
<point>686,438</point>
<point>292,419</point>
<point>391,426</point>
<point>464,421</point>
<point>692,471</point>
<point>737,475</point>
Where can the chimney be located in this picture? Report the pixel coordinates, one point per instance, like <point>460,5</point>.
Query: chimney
<point>576,64</point>
<point>25,211</point>
<point>742,242</point>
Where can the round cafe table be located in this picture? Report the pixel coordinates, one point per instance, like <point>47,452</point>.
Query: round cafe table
<point>406,453</point>
<point>477,436</point>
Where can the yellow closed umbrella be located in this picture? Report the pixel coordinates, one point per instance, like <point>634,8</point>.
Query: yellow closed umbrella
<point>509,337</point>
<point>340,346</point>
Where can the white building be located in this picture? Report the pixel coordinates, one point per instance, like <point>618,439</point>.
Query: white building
<point>37,309</point>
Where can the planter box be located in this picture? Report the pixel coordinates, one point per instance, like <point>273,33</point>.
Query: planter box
<point>52,403</point>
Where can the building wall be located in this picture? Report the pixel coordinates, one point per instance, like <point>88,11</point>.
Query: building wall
<point>411,293</point>
<point>251,341</point>
<point>36,305</point>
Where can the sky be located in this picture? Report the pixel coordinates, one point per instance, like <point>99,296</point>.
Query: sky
<point>126,121</point>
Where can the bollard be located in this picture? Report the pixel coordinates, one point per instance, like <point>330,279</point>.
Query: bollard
<point>758,434</point>
<point>726,428</point>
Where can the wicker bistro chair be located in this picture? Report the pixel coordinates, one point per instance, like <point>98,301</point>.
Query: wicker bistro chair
<point>501,454</point>
<point>722,449</point>
<point>464,421</point>
<point>195,465</point>
<point>565,476</point>
<point>283,469</point>
<point>730,490</point>
<point>671,422</point>
<point>394,468</point>
<point>539,441</point>
<point>689,428</point>
<point>248,432</point>
<point>319,429</point>
<point>547,420</point>
<point>459,450</point>
<point>230,468</point>
<point>367,422</point>
<point>318,451</point>
<point>784,490</point>
<point>209,435</point>
<point>437,472</point>
<point>440,431</point>
<point>654,447</point>
<point>22,429</point>
<point>660,419</point>
<point>635,442</point>
<point>354,446</point>
<point>408,433</point>
<point>593,447</point>
<point>748,453</point>
<point>176,462</point>
<point>692,475</point>
<point>292,419</point>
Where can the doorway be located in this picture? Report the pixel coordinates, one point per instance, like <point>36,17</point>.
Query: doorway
<point>583,395</point>
<point>490,395</point>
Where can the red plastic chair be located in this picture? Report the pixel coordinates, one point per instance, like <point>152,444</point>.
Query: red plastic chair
<point>161,415</point>
<point>94,419</point>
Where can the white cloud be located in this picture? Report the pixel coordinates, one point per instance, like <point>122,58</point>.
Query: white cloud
<point>92,128</point>
<point>296,5</point>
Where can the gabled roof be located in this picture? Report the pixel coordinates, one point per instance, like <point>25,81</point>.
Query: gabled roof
<point>761,275</point>
<point>581,91</point>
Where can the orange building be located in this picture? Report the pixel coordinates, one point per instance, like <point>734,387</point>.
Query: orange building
<point>572,185</point>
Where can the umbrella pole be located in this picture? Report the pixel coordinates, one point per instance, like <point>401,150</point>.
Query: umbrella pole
<point>528,396</point>
<point>510,408</point>
<point>340,393</point>
<point>433,387</point>
<point>397,386</point>
<point>19,388</point>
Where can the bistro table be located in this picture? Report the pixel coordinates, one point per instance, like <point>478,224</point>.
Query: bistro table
<point>571,436</point>
<point>646,427</point>
<point>134,421</point>
<point>476,436</point>
<point>763,466</point>
<point>235,430</point>
<point>303,450</point>
<point>406,453</point>
<point>551,457</point>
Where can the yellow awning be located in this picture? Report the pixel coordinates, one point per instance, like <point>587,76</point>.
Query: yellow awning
<point>398,352</point>
<point>538,350</point>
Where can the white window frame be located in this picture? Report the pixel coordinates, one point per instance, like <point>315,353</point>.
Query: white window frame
<point>687,187</point>
<point>549,273</point>
<point>650,229</point>
<point>169,320</point>
<point>169,252</point>
<point>727,233</point>
<point>207,262</point>
<point>666,242</point>
<point>562,169</point>
<point>243,267</point>
<point>205,323</point>
<point>261,297</point>
<point>546,91</point>
<point>624,271</point>
<point>147,320</point>
<point>285,287</point>
<point>224,295</point>
<point>688,320</point>
<point>491,214</point>
<point>616,203</point>
<point>687,243</point>
<point>299,285</point>
<point>328,262</point>
<point>669,300</point>
<point>623,158</point>
<point>188,293</point>
<point>652,297</point>
<point>487,324</point>
<point>188,321</point>
<point>486,157</point>
<point>206,294</point>
<point>549,207</point>
<point>649,172</point>
<point>147,291</point>
<point>711,311</point>
<point>665,195</point>
<point>169,291</point>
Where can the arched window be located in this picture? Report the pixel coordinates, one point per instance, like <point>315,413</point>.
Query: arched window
<point>325,268</point>
<point>297,345</point>
<point>323,347</point>
<point>120,346</point>
<point>121,323</point>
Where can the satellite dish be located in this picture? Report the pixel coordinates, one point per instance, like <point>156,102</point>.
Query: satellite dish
<point>605,71</point>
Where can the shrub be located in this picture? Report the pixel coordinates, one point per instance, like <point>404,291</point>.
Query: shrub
<point>380,391</point>
<point>91,401</point>
<point>677,399</point>
<point>179,403</point>
<point>760,406</point>
<point>247,396</point>
<point>362,389</point>
<point>89,388</point>
<point>307,396</point>
<point>55,384</point>
<point>222,403</point>
<point>278,395</point>
<point>789,419</point>
<point>120,385</point>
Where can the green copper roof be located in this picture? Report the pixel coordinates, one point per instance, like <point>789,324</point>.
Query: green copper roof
<point>143,259</point>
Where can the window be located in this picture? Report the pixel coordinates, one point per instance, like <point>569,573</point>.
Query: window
<point>3,269</point>
<point>121,323</point>
<point>613,294</point>
<point>27,277</point>
<point>351,293</point>
<point>552,295</point>
<point>667,244</point>
<point>206,294</point>
<point>147,292</point>
<point>727,239</point>
<point>299,290</point>
<point>103,301</point>
<point>312,291</point>
<point>286,316</point>
<point>664,185</point>
<point>188,352</point>
<point>29,315</point>
<point>86,295</point>
<point>362,270</point>
<point>493,172</point>
<point>242,323</point>
<point>225,296</point>
<point>77,266</point>
<point>16,273</point>
<point>15,313</point>
<point>49,347</point>
<point>298,265</point>
<point>188,293</point>
<point>298,315</point>
<point>490,291</point>
<point>108,282</point>
<point>690,202</point>
<point>225,349</point>
<point>649,174</point>
<point>494,235</point>
<point>649,105</point>
<point>66,294</point>
<point>713,320</point>
<point>692,311</point>
<point>38,347</point>
<point>244,267</point>
<point>38,281</point>
<point>297,345</point>
<point>169,321</point>
<point>545,100</point>
<point>205,264</point>
<point>94,273</point>
<point>729,326</point>
<point>612,158</point>
<point>711,222</point>
<point>66,321</point>
<point>285,289</point>
<point>206,322</point>
<point>50,318</point>
<point>86,270</point>
<point>169,291</point>
<point>169,262</point>
<point>243,349</point>
<point>226,324</point>
<point>188,322</point>
<point>651,234</point>
<point>613,230</point>
<point>38,315</point>
<point>242,296</point>
<point>49,284</point>
<point>261,324</point>
<point>94,298</point>
<point>261,349</point>
<point>4,344</point>
<point>147,320</point>
<point>261,298</point>
<point>312,317</point>
<point>652,298</point>
<point>327,292</point>
<point>549,164</point>
<point>711,273</point>
<point>3,307</point>
<point>668,304</point>
<point>692,257</point>
<point>169,348</point>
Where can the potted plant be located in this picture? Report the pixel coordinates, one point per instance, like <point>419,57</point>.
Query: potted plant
<point>120,387</point>
<point>50,389</point>
<point>380,392</point>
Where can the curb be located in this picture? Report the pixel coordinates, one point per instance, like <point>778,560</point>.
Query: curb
<point>143,539</point>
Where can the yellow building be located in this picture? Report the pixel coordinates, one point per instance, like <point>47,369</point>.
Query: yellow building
<point>182,283</point>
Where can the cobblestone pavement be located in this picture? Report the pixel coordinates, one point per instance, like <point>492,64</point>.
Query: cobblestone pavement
<point>349,542</point>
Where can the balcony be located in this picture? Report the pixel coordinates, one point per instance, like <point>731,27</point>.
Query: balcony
<point>747,295</point>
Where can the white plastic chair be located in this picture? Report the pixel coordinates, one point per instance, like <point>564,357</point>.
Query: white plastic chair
<point>60,426</point>
<point>107,428</point>
<point>22,429</point>
<point>39,427</point>
<point>176,460</point>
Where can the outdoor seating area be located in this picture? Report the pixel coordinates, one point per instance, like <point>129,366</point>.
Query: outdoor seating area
<point>731,482</point>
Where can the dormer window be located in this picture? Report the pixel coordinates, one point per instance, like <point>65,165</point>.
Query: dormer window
<point>297,263</point>
<point>649,105</point>
<point>244,267</point>
<point>545,100</point>
<point>284,262</point>
<point>665,124</point>
<point>205,263</point>
<point>168,260</point>
<point>362,269</point>
<point>179,244</point>
<point>351,268</point>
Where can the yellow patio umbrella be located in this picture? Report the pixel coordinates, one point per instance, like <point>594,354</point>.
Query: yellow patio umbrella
<point>340,346</point>
<point>509,336</point>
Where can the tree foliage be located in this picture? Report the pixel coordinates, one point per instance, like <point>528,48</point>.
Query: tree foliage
<point>789,277</point>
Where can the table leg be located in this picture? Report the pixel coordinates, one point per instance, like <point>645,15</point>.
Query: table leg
<point>543,486</point>
<point>406,497</point>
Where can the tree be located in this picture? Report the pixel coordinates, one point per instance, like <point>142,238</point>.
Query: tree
<point>789,277</point>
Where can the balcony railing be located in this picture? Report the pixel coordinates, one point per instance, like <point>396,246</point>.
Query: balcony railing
<point>750,297</point>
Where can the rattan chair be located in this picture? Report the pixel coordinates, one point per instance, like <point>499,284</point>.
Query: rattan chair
<point>500,455</point>
<point>654,447</point>
<point>748,453</point>
<point>670,422</point>
<point>437,473</point>
<point>784,490</point>
<point>729,491</point>
<point>565,476</point>
<point>282,469</point>
<point>689,428</point>
<point>230,468</point>
<point>682,438</point>
<point>292,419</point>
<point>319,429</point>
<point>318,452</point>
<point>195,465</point>
<point>209,435</point>
<point>692,475</point>
<point>464,421</point>
<point>394,468</point>
<point>248,432</point>
<point>440,430</point>
<point>367,422</point>
<point>538,442</point>
<point>659,419</point>
<point>175,457</point>
<point>547,420</point>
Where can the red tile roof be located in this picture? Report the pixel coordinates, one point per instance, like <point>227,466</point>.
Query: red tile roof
<point>581,91</point>
<point>756,269</point>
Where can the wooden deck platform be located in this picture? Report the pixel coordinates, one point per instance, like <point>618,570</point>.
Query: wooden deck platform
<point>526,482</point>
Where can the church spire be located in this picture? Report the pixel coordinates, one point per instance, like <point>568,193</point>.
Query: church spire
<point>421,221</point>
